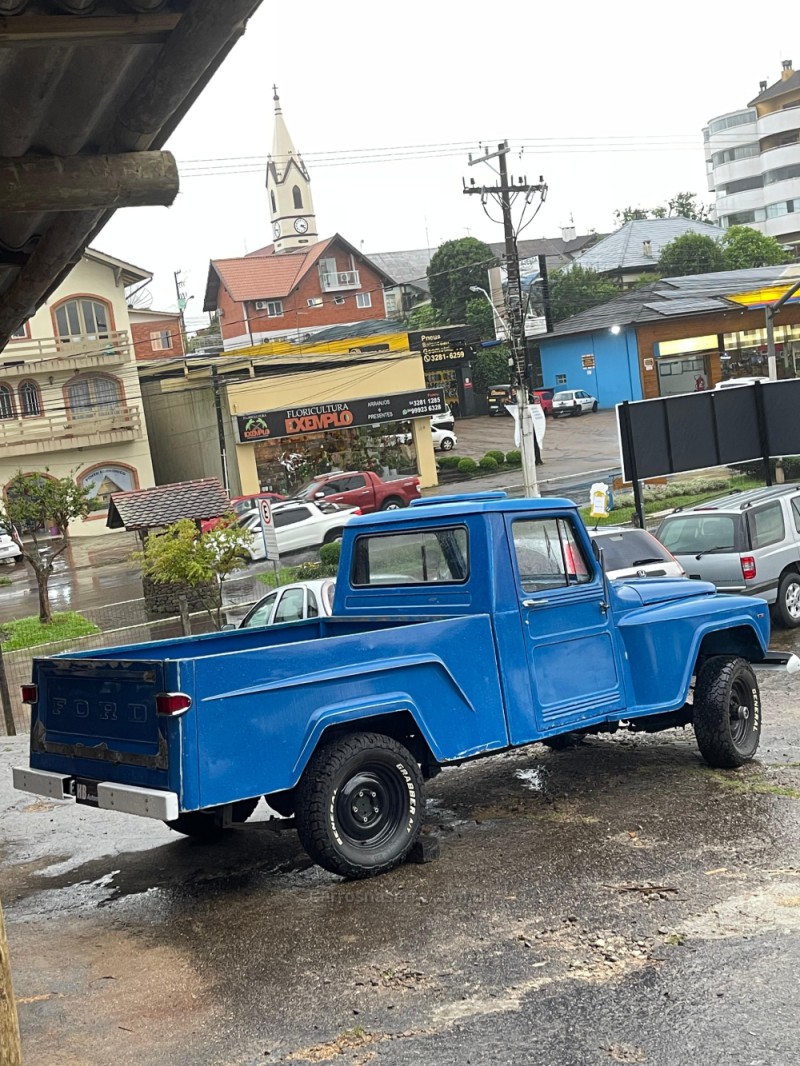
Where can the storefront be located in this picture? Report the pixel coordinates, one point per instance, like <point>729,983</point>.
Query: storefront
<point>362,411</point>
<point>292,445</point>
<point>447,354</point>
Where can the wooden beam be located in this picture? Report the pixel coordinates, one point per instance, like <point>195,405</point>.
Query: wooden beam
<point>33,31</point>
<point>88,182</point>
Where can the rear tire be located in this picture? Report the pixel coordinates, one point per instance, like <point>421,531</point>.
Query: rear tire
<point>331,536</point>
<point>787,605</point>
<point>203,826</point>
<point>578,410</point>
<point>446,444</point>
<point>359,805</point>
<point>727,712</point>
<point>392,504</point>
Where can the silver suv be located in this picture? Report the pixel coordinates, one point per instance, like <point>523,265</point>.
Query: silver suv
<point>747,542</point>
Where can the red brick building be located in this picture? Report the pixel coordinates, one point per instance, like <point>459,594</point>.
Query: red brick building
<point>156,334</point>
<point>291,295</point>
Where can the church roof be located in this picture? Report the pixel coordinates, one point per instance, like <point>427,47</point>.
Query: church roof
<point>263,275</point>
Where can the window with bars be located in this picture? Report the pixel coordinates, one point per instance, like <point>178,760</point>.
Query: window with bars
<point>30,399</point>
<point>7,402</point>
<point>92,395</point>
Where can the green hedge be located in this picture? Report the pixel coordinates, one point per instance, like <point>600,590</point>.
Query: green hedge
<point>467,466</point>
<point>488,463</point>
<point>448,462</point>
<point>497,455</point>
<point>514,458</point>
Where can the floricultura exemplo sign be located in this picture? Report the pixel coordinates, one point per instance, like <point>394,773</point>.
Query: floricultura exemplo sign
<point>345,414</point>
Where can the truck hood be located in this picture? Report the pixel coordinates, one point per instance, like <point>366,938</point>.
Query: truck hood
<point>644,592</point>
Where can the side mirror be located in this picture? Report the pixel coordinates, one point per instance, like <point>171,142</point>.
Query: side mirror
<point>227,627</point>
<point>319,495</point>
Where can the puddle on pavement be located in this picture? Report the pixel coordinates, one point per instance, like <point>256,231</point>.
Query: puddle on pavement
<point>532,778</point>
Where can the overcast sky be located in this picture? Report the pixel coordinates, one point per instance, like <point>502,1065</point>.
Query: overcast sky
<point>609,100</point>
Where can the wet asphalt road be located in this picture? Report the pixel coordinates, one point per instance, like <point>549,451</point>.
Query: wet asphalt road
<point>617,902</point>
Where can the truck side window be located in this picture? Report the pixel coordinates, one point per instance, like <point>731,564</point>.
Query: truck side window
<point>549,554</point>
<point>767,525</point>
<point>796,512</point>
<point>416,557</point>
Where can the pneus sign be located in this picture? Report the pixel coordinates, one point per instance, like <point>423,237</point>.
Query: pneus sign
<point>345,414</point>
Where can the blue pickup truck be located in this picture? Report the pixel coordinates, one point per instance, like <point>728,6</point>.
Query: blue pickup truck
<point>462,626</point>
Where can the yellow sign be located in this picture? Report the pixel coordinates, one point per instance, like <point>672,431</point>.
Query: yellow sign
<point>380,342</point>
<point>763,297</point>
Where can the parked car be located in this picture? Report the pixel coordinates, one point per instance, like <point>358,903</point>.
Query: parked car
<point>443,439</point>
<point>634,553</point>
<point>298,525</point>
<point>241,505</point>
<point>362,489</point>
<point>445,420</point>
<point>732,382</point>
<point>573,402</point>
<point>545,399</point>
<point>10,551</point>
<point>746,542</point>
<point>291,603</point>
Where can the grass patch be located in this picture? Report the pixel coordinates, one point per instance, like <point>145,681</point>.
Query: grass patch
<point>754,783</point>
<point>29,632</point>
<point>5,580</point>
<point>622,515</point>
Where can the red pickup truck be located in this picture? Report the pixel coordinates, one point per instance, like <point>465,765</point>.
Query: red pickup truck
<point>361,488</point>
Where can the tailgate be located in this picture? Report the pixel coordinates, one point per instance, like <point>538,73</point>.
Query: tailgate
<point>98,717</point>
<point>723,569</point>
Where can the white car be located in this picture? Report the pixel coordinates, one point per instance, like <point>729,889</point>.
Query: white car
<point>445,420</point>
<point>573,402</point>
<point>634,553</point>
<point>10,551</point>
<point>733,382</point>
<point>443,439</point>
<point>298,525</point>
<point>292,603</point>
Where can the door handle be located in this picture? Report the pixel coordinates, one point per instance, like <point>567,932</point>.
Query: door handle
<point>534,603</point>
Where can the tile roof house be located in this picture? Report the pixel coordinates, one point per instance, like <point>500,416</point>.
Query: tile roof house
<point>292,295</point>
<point>165,504</point>
<point>635,248</point>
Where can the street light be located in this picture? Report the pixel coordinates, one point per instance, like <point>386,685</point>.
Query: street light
<point>500,319</point>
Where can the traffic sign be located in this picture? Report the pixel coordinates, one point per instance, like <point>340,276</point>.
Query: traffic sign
<point>268,531</point>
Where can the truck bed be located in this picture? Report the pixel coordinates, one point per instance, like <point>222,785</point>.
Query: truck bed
<point>267,696</point>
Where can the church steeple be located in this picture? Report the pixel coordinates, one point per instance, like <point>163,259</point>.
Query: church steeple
<point>294,225</point>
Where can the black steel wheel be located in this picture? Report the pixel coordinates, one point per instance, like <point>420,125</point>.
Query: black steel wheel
<point>787,606</point>
<point>359,805</point>
<point>204,826</point>
<point>727,711</point>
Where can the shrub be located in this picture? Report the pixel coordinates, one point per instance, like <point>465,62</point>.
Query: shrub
<point>514,458</point>
<point>497,455</point>
<point>329,553</point>
<point>467,466</point>
<point>488,463</point>
<point>448,462</point>
<point>308,571</point>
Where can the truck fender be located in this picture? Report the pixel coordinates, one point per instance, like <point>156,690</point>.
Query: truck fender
<point>741,639</point>
<point>354,713</point>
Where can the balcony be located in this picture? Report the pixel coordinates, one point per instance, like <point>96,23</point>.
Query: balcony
<point>40,436</point>
<point>783,121</point>
<point>341,279</point>
<point>23,358</point>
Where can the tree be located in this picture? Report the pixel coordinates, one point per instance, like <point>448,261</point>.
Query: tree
<point>685,205</point>
<point>35,502</point>
<point>490,367</point>
<point>454,267</point>
<point>575,290</point>
<point>691,253</point>
<point>181,555</point>
<point>423,317</point>
<point>746,248</point>
<point>630,214</point>
<point>481,315</point>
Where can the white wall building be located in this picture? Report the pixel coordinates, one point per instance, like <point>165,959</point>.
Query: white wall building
<point>70,400</point>
<point>753,161</point>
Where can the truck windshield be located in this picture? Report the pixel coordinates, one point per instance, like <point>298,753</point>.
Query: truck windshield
<point>415,557</point>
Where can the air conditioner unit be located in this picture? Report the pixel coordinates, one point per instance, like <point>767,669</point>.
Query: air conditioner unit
<point>344,279</point>
<point>261,305</point>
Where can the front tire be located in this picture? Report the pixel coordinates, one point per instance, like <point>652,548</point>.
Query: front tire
<point>360,805</point>
<point>392,504</point>
<point>332,535</point>
<point>727,712</point>
<point>594,407</point>
<point>446,444</point>
<point>787,605</point>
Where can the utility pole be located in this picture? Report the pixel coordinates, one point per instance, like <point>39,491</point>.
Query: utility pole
<point>505,193</point>
<point>180,291</point>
